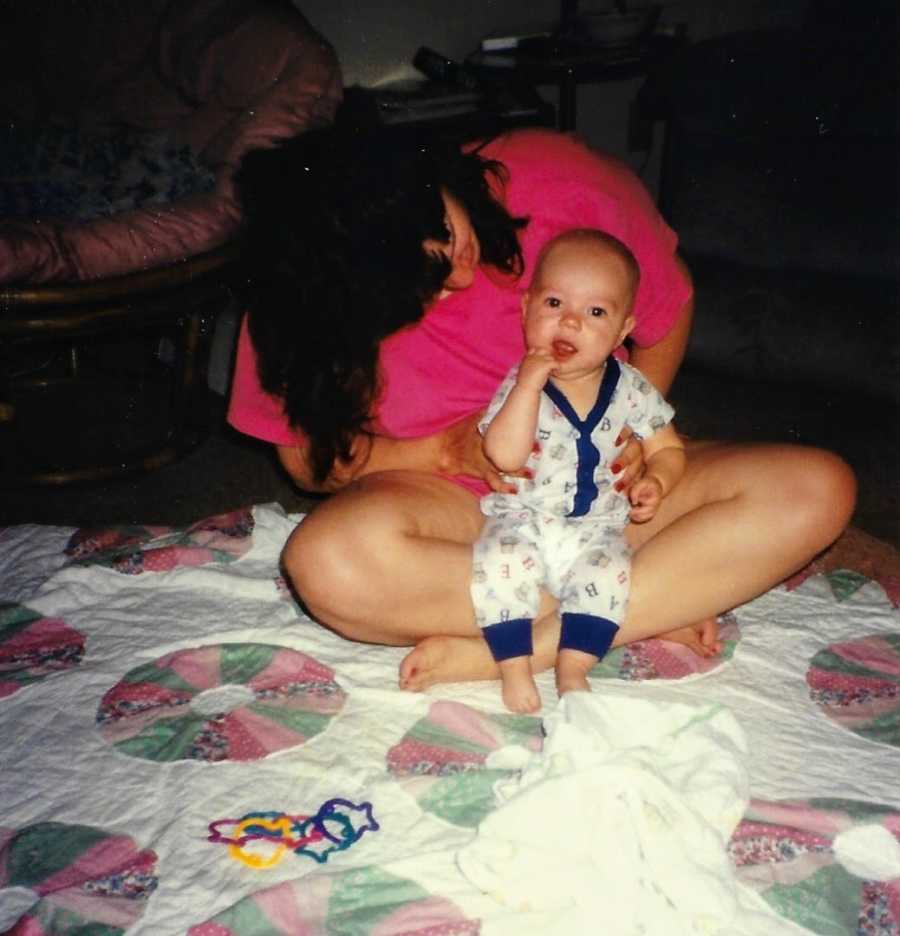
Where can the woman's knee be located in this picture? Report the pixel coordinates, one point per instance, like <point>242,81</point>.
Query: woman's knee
<point>816,491</point>
<point>321,564</point>
<point>803,495</point>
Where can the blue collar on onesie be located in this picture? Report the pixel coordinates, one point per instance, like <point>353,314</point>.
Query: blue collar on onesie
<point>588,454</point>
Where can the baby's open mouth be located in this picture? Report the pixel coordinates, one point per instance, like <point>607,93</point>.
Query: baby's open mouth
<point>563,349</point>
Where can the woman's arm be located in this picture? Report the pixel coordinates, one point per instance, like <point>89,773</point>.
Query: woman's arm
<point>659,363</point>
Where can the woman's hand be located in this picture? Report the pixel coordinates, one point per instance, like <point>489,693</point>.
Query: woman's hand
<point>462,452</point>
<point>629,463</point>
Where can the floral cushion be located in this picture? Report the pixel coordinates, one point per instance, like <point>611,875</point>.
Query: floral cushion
<point>77,174</point>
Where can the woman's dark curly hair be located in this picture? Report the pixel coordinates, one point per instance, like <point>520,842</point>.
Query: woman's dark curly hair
<point>334,223</point>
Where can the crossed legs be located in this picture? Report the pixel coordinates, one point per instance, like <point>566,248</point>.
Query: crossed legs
<point>388,560</point>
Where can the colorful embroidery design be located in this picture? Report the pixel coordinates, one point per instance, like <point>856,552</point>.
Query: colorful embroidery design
<point>663,659</point>
<point>33,647</point>
<point>844,583</point>
<point>132,550</point>
<point>441,759</point>
<point>784,851</point>
<point>857,683</point>
<point>83,880</point>
<point>166,711</point>
<point>362,902</point>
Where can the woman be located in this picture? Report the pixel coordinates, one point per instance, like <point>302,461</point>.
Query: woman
<point>388,271</point>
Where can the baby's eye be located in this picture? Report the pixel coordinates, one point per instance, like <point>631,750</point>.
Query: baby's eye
<point>552,301</point>
<point>597,311</point>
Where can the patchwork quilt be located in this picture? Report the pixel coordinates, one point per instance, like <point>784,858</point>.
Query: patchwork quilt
<point>185,752</point>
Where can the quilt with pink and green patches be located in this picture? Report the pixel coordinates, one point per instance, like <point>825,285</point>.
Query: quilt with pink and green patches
<point>184,751</point>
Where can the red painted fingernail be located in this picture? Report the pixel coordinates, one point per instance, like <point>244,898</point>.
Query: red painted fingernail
<point>528,473</point>
<point>618,440</point>
<point>619,485</point>
<point>615,468</point>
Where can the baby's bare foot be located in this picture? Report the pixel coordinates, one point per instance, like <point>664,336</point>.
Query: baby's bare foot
<point>444,660</point>
<point>572,667</point>
<point>520,694</point>
<point>702,638</point>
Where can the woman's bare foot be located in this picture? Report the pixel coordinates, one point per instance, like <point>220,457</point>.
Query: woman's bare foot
<point>520,694</point>
<point>572,667</point>
<point>702,638</point>
<point>447,659</point>
<point>467,659</point>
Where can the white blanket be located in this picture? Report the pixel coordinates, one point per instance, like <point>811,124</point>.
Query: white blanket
<point>624,816</point>
<point>140,790</point>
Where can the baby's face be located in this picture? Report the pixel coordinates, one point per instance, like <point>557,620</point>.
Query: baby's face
<point>579,306</point>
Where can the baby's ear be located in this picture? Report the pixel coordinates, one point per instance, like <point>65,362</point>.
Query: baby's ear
<point>627,327</point>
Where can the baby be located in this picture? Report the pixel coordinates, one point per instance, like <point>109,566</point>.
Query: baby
<point>558,415</point>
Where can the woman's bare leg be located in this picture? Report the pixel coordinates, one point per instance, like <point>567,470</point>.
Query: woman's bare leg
<point>389,560</point>
<point>742,519</point>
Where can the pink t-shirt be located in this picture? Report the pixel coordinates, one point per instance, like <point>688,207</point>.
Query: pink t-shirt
<point>448,365</point>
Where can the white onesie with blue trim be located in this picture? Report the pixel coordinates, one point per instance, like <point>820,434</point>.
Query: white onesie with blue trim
<point>563,528</point>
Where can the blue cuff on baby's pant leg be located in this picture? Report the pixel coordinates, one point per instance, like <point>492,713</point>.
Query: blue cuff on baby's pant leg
<point>509,639</point>
<point>586,632</point>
